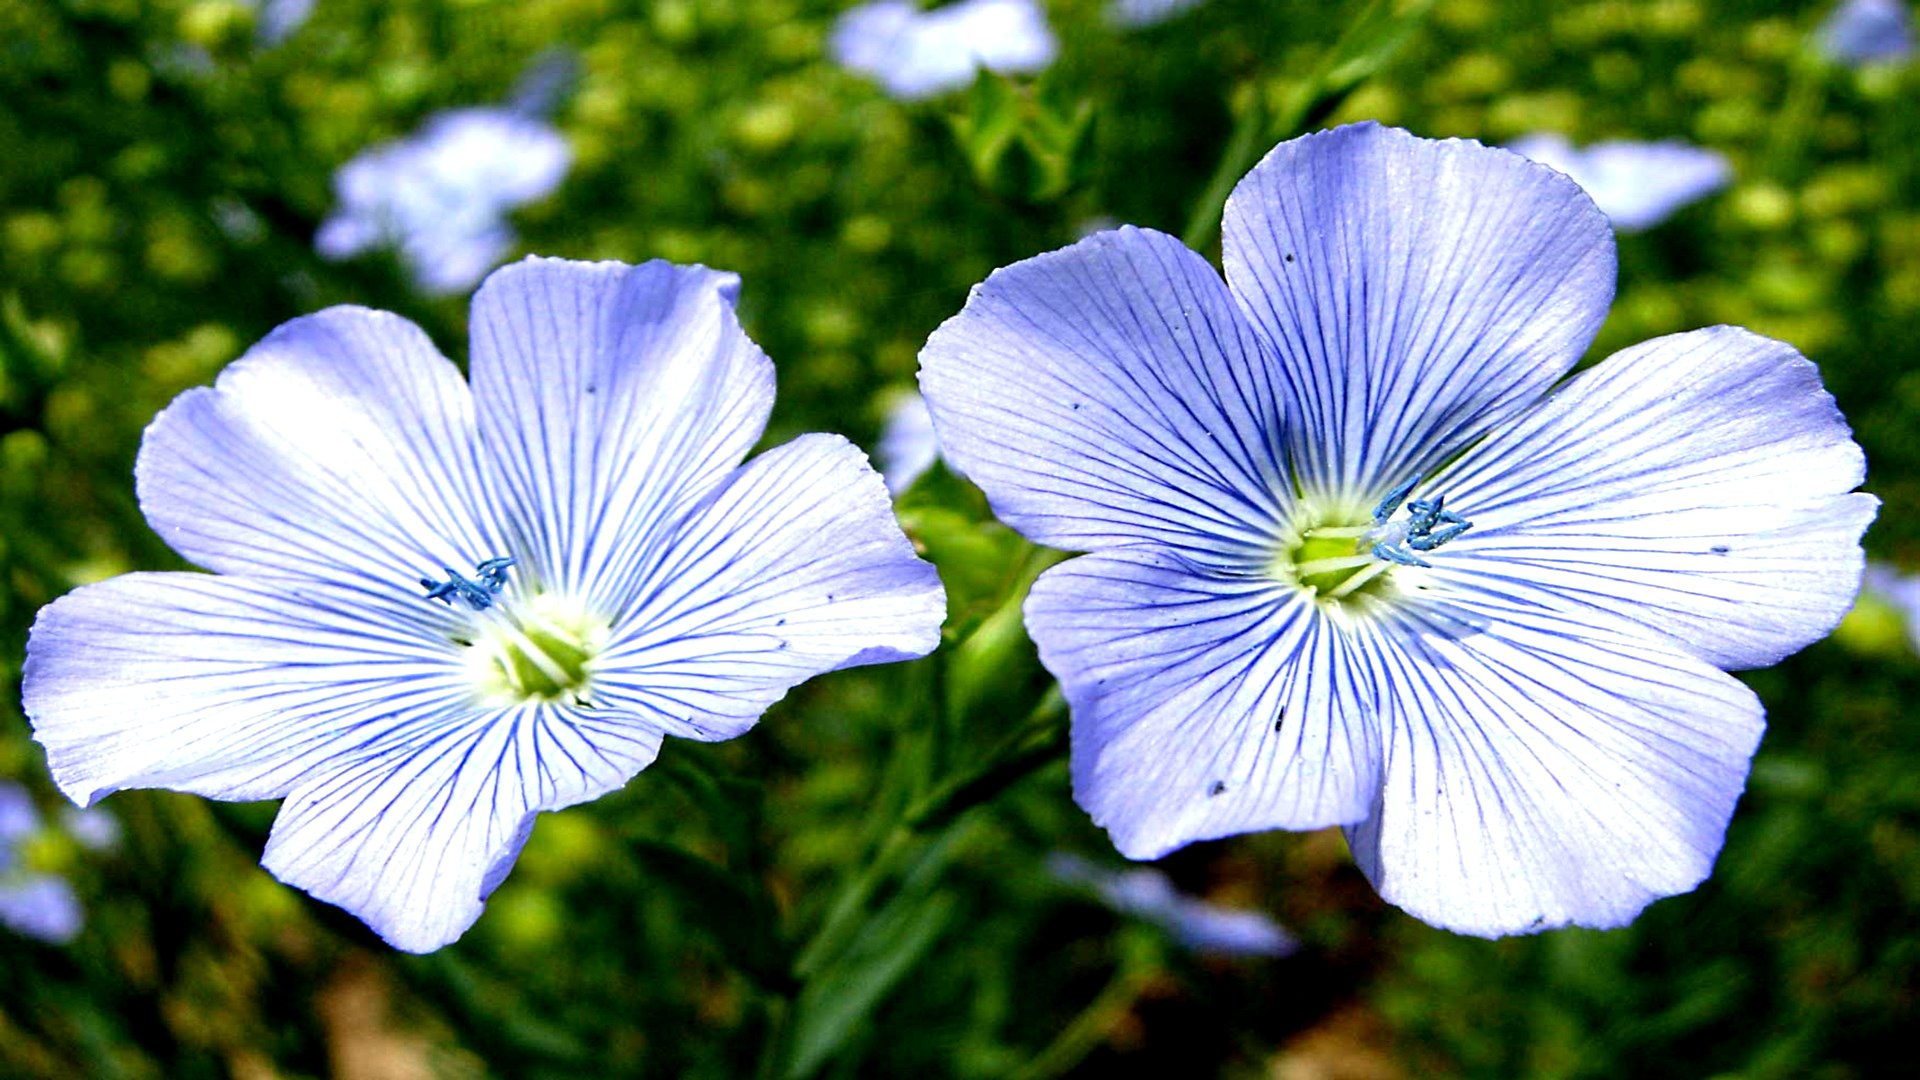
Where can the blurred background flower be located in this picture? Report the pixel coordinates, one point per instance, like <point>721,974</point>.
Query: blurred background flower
<point>1636,184</point>
<point>917,53</point>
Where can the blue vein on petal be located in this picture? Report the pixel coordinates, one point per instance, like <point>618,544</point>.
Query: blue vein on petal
<point>479,594</point>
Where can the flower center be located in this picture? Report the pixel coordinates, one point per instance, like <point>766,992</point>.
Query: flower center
<point>1335,557</point>
<point>530,647</point>
<point>538,648</point>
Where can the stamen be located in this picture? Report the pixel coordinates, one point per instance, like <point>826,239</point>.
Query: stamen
<point>477,594</point>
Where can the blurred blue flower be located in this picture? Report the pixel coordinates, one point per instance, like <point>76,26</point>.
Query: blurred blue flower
<point>442,195</point>
<point>36,905</point>
<point>1900,591</point>
<point>1636,184</point>
<point>276,20</point>
<point>1205,927</point>
<point>438,610</point>
<point>908,446</point>
<point>1353,564</point>
<point>916,54</point>
<point>1867,31</point>
<point>1134,14</point>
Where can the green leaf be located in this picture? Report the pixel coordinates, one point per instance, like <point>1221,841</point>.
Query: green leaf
<point>738,917</point>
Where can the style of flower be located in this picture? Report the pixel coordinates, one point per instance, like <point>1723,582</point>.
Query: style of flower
<point>37,905</point>
<point>1360,558</point>
<point>439,610</point>
<point>1860,32</point>
<point>1636,184</point>
<point>1200,925</point>
<point>917,54</point>
<point>442,195</point>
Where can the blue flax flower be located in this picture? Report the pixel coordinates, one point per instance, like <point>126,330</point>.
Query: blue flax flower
<point>907,447</point>
<point>442,194</point>
<point>37,905</point>
<point>438,610</point>
<point>1199,925</point>
<point>1861,32</point>
<point>916,54</point>
<point>1636,184</point>
<point>1361,558</point>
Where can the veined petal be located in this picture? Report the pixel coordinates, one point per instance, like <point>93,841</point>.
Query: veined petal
<point>1111,392</point>
<point>793,567</point>
<point>1203,706</point>
<point>227,687</point>
<point>1699,484</point>
<point>612,399</point>
<point>1546,770</point>
<point>414,831</point>
<point>340,448</point>
<point>1418,293</point>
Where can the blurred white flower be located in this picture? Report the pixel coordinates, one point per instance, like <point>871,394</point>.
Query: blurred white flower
<point>442,195</point>
<point>916,54</point>
<point>276,20</point>
<point>1636,184</point>
<point>1866,32</point>
<point>1197,924</point>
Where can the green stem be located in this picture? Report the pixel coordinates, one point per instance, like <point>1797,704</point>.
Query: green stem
<point>1138,966</point>
<point>1038,740</point>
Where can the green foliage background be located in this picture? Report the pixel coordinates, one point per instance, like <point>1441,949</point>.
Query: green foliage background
<point>718,906</point>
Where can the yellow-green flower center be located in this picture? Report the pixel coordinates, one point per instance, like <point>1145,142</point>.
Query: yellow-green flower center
<point>538,648</point>
<point>1331,559</point>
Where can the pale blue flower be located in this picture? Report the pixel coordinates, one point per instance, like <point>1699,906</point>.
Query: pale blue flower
<point>1636,184</point>
<point>276,20</point>
<point>442,194</point>
<point>1866,32</point>
<point>1900,591</point>
<point>916,54</point>
<point>36,905</point>
<point>1360,557</point>
<point>1135,14</point>
<point>907,445</point>
<point>1199,925</point>
<point>438,610</point>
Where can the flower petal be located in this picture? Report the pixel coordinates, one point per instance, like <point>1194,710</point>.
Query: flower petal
<point>1698,484</point>
<point>612,399</point>
<point>340,447</point>
<point>1546,770</point>
<point>1417,292</point>
<point>415,831</point>
<point>1111,392</point>
<point>1203,706</point>
<point>793,567</point>
<point>223,686</point>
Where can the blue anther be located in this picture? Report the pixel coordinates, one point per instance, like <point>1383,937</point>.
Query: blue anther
<point>1392,502</point>
<point>1429,524</point>
<point>478,594</point>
